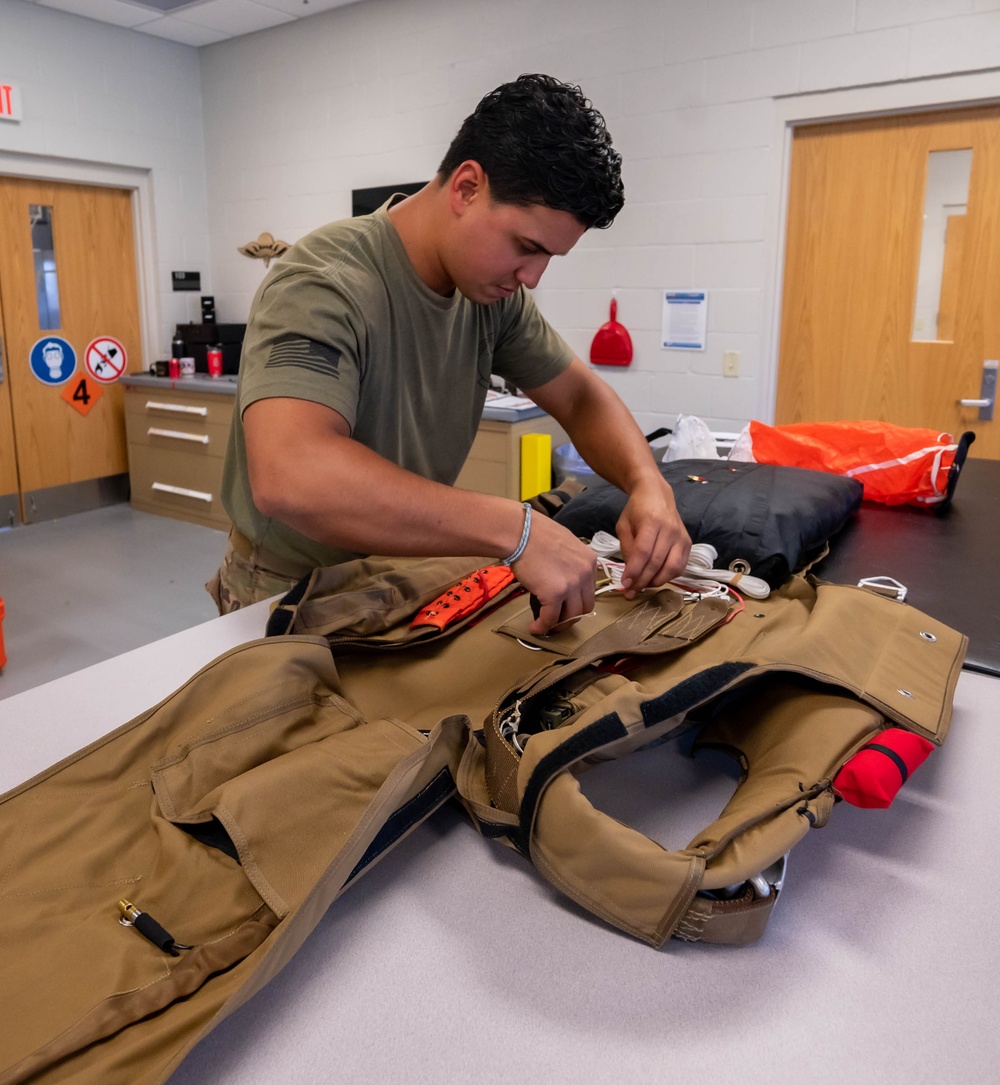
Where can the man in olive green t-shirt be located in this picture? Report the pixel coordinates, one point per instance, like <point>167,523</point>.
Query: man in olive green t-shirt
<point>368,355</point>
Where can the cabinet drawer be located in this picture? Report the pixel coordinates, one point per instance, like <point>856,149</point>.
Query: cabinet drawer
<point>199,438</point>
<point>496,446</point>
<point>172,407</point>
<point>488,477</point>
<point>177,483</point>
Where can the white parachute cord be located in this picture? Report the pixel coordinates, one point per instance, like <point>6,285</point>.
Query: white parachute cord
<point>700,567</point>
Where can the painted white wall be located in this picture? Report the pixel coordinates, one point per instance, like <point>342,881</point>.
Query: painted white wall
<point>371,94</point>
<point>696,94</point>
<point>99,95</point>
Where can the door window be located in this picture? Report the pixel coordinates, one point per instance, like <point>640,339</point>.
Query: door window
<point>46,277</point>
<point>945,204</point>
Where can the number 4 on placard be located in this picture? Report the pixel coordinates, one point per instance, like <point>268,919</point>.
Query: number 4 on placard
<point>82,394</point>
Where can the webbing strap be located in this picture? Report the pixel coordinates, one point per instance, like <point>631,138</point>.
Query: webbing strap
<point>280,619</point>
<point>735,922</point>
<point>630,634</point>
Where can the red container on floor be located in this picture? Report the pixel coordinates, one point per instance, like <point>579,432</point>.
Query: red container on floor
<point>3,657</point>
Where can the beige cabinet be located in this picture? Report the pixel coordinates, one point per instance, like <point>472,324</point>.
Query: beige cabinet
<point>177,434</point>
<point>494,464</point>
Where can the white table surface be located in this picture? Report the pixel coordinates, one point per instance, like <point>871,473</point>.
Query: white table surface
<point>452,961</point>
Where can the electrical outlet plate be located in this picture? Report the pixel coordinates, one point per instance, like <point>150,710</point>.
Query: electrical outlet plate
<point>731,363</point>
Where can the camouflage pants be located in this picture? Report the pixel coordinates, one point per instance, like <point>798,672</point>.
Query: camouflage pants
<point>240,581</point>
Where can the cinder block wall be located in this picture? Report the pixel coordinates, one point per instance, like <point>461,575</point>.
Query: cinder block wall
<point>271,131</point>
<point>372,93</point>
<point>98,93</point>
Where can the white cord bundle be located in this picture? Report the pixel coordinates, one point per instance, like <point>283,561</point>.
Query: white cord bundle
<point>700,567</point>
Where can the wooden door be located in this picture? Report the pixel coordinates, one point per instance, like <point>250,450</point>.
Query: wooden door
<point>68,426</point>
<point>851,344</point>
<point>9,485</point>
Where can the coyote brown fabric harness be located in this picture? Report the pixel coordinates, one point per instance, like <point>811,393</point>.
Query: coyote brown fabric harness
<point>239,808</point>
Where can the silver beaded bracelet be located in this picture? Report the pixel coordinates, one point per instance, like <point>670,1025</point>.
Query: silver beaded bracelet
<point>525,532</point>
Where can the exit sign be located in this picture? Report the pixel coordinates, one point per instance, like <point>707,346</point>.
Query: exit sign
<point>10,102</point>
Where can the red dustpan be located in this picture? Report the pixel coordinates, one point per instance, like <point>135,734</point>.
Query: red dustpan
<point>612,345</point>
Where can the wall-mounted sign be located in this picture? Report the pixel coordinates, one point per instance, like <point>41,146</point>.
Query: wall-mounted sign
<point>105,359</point>
<point>185,280</point>
<point>52,360</point>
<point>81,395</point>
<point>685,319</point>
<point>10,102</point>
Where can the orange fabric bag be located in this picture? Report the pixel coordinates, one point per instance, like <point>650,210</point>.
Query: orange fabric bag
<point>897,465</point>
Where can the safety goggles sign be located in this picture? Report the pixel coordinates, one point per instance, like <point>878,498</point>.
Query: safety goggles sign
<point>105,359</point>
<point>52,360</point>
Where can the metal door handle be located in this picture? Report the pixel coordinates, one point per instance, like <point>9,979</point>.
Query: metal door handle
<point>987,392</point>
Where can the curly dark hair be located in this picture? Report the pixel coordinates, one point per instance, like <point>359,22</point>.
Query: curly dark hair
<point>540,141</point>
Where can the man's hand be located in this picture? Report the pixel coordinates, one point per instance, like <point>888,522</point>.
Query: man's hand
<point>653,538</point>
<point>558,569</point>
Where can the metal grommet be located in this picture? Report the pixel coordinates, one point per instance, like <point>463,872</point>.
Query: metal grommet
<point>760,615</point>
<point>905,693</point>
<point>927,636</point>
<point>739,565</point>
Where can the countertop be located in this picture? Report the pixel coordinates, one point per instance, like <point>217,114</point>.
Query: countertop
<point>200,382</point>
<point>226,386</point>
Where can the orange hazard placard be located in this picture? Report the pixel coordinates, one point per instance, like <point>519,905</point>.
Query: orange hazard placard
<point>82,394</point>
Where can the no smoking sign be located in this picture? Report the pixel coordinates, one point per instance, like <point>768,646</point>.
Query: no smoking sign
<point>105,359</point>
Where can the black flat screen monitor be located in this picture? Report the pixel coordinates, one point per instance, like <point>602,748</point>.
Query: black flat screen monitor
<point>366,200</point>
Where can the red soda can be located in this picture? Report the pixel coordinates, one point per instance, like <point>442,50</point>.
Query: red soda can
<point>214,356</point>
<point>174,368</point>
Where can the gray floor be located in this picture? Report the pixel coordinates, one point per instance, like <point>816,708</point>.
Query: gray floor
<point>83,588</point>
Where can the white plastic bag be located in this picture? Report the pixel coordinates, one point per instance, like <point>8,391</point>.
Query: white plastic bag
<point>692,440</point>
<point>743,446</point>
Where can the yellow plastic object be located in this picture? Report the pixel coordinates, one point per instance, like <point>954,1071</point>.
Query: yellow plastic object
<point>536,464</point>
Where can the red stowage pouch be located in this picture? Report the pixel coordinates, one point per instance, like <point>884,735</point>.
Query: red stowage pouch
<point>465,598</point>
<point>879,769</point>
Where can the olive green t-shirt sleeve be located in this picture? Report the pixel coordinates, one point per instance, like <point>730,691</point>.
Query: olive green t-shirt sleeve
<point>305,342</point>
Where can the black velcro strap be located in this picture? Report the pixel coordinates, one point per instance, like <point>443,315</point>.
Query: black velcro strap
<point>281,618</point>
<point>693,691</point>
<point>599,733</point>
<point>893,757</point>
<point>411,813</point>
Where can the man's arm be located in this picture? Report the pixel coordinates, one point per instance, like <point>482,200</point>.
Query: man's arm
<point>654,540</point>
<point>306,471</point>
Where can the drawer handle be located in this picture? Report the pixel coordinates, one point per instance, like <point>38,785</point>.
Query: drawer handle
<point>177,408</point>
<point>198,494</point>
<point>177,435</point>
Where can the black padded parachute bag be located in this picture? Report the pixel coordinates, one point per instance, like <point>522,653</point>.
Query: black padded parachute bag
<point>762,519</point>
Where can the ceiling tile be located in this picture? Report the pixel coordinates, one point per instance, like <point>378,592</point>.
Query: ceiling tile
<point>301,8</point>
<point>234,17</point>
<point>203,22</point>
<point>173,29</point>
<point>104,11</point>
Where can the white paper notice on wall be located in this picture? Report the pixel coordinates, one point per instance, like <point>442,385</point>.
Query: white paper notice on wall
<point>685,319</point>
<point>10,102</point>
